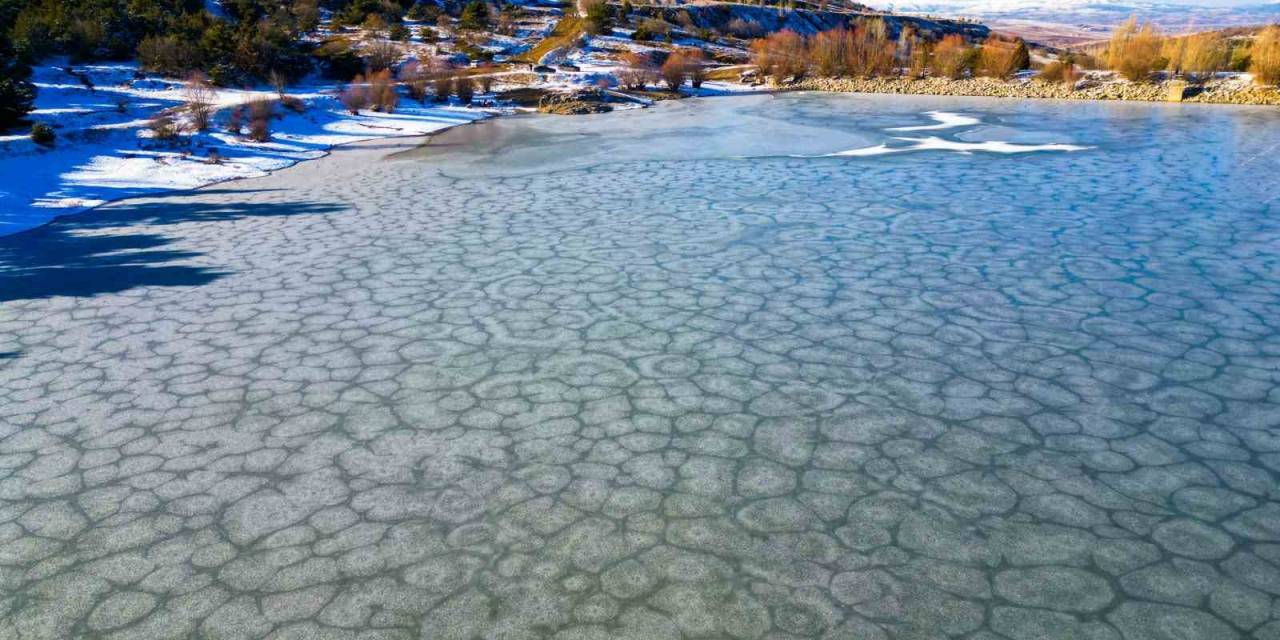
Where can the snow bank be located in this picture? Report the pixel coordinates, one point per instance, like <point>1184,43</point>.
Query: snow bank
<point>104,150</point>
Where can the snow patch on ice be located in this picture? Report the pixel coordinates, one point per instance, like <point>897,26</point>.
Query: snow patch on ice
<point>933,143</point>
<point>945,120</point>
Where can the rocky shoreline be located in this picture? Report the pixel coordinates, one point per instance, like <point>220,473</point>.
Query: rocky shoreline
<point>1216,93</point>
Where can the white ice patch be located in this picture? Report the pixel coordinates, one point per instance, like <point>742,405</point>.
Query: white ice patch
<point>945,120</point>
<point>933,143</point>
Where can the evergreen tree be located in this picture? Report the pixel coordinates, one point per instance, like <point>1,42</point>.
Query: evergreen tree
<point>475,16</point>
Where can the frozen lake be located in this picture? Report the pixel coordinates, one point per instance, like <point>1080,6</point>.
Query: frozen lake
<point>840,367</point>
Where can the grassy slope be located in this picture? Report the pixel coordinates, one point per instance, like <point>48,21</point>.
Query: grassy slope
<point>565,32</point>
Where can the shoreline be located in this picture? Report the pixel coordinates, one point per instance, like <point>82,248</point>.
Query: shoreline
<point>1036,90</point>
<point>267,173</point>
<point>928,87</point>
<point>284,161</point>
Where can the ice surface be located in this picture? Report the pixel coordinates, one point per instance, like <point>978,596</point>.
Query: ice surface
<point>598,378</point>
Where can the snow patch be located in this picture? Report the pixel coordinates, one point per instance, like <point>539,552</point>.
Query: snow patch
<point>945,120</point>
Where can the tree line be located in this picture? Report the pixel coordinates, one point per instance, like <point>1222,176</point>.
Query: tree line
<point>1137,51</point>
<point>866,49</point>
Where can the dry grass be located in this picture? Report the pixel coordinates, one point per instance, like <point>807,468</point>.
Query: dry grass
<point>566,32</point>
<point>1265,55</point>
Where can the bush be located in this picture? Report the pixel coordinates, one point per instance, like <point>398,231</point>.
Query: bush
<point>651,29</point>
<point>339,59</point>
<point>695,61</point>
<point>443,88</point>
<point>674,71</point>
<point>1265,56</point>
<point>637,70</point>
<point>293,104</point>
<point>261,112</point>
<point>780,56</point>
<point>423,12</point>
<point>950,57</point>
<point>43,134</point>
<point>1058,71</point>
<point>1134,51</point>
<point>163,128</point>
<point>381,54</point>
<point>595,13</point>
<point>475,16</point>
<point>399,33</point>
<point>1198,56</point>
<point>17,94</point>
<point>428,35</point>
<point>382,92</point>
<point>199,97</point>
<point>465,89</point>
<point>1000,58</point>
<point>355,96</point>
<point>416,75</point>
<point>235,120</point>
<point>744,28</point>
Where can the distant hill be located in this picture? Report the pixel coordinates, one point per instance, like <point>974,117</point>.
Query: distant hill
<point>1091,14</point>
<point>719,15</point>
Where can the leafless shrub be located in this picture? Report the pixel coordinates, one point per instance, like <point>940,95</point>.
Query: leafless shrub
<point>235,120</point>
<point>744,28</point>
<point>382,91</point>
<point>294,104</point>
<point>1058,71</point>
<point>199,96</point>
<point>415,77</point>
<point>637,70</point>
<point>355,96</point>
<point>163,127</point>
<point>465,89</point>
<point>443,86</point>
<point>781,55</point>
<point>381,54</point>
<point>278,81</point>
<point>260,113</point>
<point>695,64</point>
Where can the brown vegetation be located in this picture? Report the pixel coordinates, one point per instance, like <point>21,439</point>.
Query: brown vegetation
<point>1063,72</point>
<point>199,96</point>
<point>1001,58</point>
<point>261,111</point>
<point>382,91</point>
<point>1265,56</point>
<point>355,96</point>
<point>1134,50</point>
<point>781,55</point>
<point>637,70</point>
<point>949,57</point>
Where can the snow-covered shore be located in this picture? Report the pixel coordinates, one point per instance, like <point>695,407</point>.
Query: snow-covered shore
<point>104,151</point>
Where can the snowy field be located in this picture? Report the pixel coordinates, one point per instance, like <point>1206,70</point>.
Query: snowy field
<point>105,149</point>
